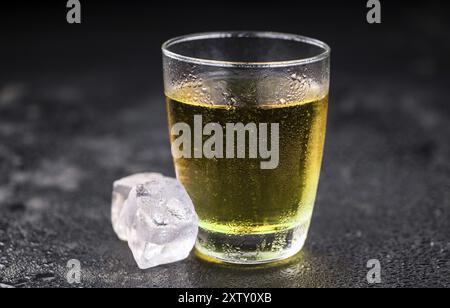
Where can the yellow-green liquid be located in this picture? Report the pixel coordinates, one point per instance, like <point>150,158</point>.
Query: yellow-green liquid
<point>235,196</point>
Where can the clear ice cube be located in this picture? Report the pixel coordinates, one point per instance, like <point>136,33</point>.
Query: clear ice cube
<point>159,221</point>
<point>121,190</point>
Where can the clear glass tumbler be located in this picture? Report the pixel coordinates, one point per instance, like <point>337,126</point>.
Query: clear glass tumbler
<point>247,116</point>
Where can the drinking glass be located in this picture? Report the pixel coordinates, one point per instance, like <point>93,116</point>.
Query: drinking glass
<point>247,116</point>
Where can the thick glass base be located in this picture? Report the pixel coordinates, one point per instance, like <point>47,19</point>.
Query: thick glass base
<point>252,248</point>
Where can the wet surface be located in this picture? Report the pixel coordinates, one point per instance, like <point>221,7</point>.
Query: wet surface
<point>384,191</point>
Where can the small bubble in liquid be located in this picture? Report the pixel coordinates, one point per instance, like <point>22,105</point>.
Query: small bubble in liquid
<point>282,101</point>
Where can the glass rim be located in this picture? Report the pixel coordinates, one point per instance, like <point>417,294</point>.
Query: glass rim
<point>326,50</point>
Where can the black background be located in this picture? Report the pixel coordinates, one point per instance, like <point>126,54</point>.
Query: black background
<point>118,34</point>
<point>82,105</point>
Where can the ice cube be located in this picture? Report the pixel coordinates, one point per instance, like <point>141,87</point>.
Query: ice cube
<point>121,190</point>
<point>162,223</point>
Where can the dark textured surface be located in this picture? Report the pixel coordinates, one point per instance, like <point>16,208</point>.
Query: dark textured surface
<point>69,126</point>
